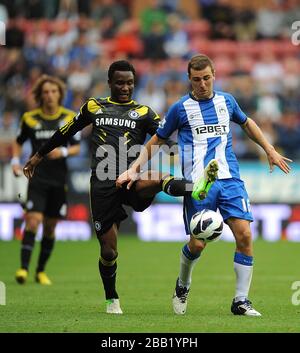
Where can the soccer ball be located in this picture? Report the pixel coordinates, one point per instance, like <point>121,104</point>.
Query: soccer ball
<point>206,225</point>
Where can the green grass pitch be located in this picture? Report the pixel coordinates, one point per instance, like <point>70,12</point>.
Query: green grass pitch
<point>146,279</point>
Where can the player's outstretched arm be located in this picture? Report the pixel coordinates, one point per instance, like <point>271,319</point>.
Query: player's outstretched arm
<point>274,158</point>
<point>15,161</point>
<point>147,151</point>
<point>30,165</point>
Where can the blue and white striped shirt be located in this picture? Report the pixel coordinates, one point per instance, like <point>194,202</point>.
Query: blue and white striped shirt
<point>204,133</point>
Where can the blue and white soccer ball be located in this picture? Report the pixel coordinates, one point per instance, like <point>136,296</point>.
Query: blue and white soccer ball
<point>206,225</point>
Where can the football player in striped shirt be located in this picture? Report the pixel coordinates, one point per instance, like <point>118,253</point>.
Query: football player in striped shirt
<point>202,119</point>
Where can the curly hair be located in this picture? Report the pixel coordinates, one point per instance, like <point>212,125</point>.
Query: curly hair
<point>38,87</point>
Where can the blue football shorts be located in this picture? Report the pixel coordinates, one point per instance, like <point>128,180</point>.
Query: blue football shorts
<point>227,195</point>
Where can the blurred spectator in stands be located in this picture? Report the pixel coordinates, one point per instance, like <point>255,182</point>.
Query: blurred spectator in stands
<point>174,89</point>
<point>269,105</point>
<point>243,65</point>
<point>175,70</point>
<point>99,69</point>
<point>268,72</point>
<point>152,96</point>
<point>291,101</point>
<point>83,51</point>
<point>153,21</point>
<point>290,15</point>
<point>153,42</point>
<point>99,89</point>
<point>13,81</point>
<point>32,76</point>
<point>242,87</point>
<point>291,66</point>
<point>34,8</point>
<point>127,41</point>
<point>62,35</point>
<point>176,42</point>
<point>269,131</point>
<point>269,20</point>
<point>245,24</point>
<point>34,53</point>
<point>3,13</point>
<point>59,63</point>
<point>169,6</point>
<point>221,15</point>
<point>11,8</point>
<point>288,133</point>
<point>15,36</point>
<point>68,9</point>
<point>155,72</point>
<point>243,147</point>
<point>110,13</point>
<point>8,128</point>
<point>79,78</point>
<point>50,8</point>
<point>152,15</point>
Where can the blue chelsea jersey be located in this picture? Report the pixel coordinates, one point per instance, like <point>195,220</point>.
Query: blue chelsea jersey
<point>204,133</point>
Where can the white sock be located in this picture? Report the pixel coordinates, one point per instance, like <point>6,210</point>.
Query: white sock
<point>187,263</point>
<point>243,281</point>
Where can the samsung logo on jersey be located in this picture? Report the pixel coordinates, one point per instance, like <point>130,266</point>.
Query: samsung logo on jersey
<point>116,122</point>
<point>44,134</point>
<point>212,130</point>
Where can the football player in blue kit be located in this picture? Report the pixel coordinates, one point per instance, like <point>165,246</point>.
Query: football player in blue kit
<point>202,119</point>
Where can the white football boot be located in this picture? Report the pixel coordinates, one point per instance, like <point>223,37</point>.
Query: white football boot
<point>244,308</point>
<point>179,299</point>
<point>113,306</point>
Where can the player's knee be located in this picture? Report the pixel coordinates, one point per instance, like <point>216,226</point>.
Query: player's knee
<point>32,223</point>
<point>196,246</point>
<point>49,235</point>
<point>244,240</point>
<point>49,231</point>
<point>108,254</point>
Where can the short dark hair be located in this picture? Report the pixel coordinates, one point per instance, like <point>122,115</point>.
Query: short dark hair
<point>200,62</point>
<point>120,65</point>
<point>38,86</point>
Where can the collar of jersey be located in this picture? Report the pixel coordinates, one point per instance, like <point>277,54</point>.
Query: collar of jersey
<point>202,100</point>
<point>127,103</point>
<point>52,116</point>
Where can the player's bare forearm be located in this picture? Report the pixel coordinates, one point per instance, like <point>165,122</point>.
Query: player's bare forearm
<point>274,158</point>
<point>254,132</point>
<point>73,150</point>
<point>15,161</point>
<point>31,164</point>
<point>147,152</point>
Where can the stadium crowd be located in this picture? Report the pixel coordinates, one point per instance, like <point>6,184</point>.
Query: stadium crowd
<point>76,40</point>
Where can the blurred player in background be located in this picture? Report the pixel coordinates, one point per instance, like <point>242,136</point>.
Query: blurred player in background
<point>46,195</point>
<point>202,119</point>
<point>120,125</point>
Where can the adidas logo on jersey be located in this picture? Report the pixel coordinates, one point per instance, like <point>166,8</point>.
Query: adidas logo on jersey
<point>99,111</point>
